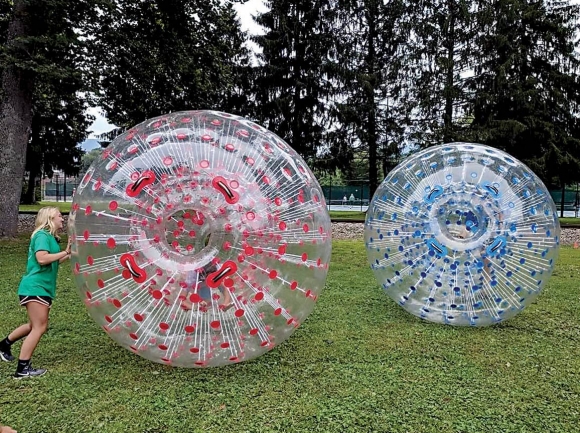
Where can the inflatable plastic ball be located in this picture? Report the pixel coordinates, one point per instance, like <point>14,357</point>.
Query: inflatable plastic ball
<point>199,239</point>
<point>462,234</point>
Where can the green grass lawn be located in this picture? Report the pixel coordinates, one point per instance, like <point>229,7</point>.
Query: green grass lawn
<point>62,206</point>
<point>66,206</point>
<point>347,215</point>
<point>568,220</point>
<point>359,363</point>
<point>334,215</point>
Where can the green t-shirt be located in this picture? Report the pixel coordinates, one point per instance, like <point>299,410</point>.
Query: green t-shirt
<point>40,280</point>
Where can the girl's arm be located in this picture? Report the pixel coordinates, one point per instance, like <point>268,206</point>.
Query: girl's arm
<point>45,258</point>
<point>65,257</point>
<point>67,250</point>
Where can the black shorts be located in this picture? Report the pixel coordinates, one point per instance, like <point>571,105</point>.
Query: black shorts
<point>44,300</point>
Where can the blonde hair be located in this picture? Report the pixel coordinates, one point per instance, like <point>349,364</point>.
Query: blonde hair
<point>44,221</point>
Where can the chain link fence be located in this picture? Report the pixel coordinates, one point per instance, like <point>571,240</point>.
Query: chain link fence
<point>357,197</point>
<point>58,188</point>
<point>339,197</point>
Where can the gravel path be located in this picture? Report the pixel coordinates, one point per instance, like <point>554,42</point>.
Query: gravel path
<point>339,230</point>
<point>356,231</point>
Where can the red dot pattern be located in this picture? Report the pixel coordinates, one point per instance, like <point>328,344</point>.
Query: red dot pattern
<point>195,238</point>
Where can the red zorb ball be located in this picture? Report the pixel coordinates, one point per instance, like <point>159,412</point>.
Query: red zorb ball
<point>199,239</point>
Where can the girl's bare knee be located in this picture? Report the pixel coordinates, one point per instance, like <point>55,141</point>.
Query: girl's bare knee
<point>40,328</point>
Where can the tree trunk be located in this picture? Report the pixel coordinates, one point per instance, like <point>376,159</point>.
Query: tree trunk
<point>562,199</point>
<point>449,79</point>
<point>385,167</point>
<point>372,134</point>
<point>29,196</point>
<point>15,123</point>
<point>295,124</point>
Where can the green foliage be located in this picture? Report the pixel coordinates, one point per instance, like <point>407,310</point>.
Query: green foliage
<point>37,194</point>
<point>440,56</point>
<point>156,57</point>
<point>52,54</point>
<point>504,73</point>
<point>358,364</point>
<point>89,158</point>
<point>293,82</point>
<point>370,38</point>
<point>350,84</point>
<point>325,178</point>
<point>59,124</point>
<point>51,35</point>
<point>526,86</point>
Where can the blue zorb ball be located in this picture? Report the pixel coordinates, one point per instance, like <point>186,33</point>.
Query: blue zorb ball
<point>462,234</point>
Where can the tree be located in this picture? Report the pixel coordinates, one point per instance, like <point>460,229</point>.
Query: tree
<point>439,56</point>
<point>59,123</point>
<point>370,37</point>
<point>39,42</point>
<point>526,85</point>
<point>15,113</point>
<point>89,158</point>
<point>157,57</point>
<point>293,81</point>
<point>59,119</point>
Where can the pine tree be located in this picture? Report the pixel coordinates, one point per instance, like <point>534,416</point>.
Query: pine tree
<point>293,82</point>
<point>59,123</point>
<point>526,85</point>
<point>440,52</point>
<point>161,56</point>
<point>370,37</point>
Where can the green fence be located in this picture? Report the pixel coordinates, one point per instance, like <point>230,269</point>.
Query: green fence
<point>359,195</point>
<point>346,194</point>
<point>571,199</point>
<point>59,191</point>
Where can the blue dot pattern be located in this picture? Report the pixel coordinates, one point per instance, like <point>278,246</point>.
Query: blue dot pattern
<point>462,234</point>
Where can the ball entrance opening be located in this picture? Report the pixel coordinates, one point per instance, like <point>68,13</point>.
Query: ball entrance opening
<point>462,222</point>
<point>190,233</point>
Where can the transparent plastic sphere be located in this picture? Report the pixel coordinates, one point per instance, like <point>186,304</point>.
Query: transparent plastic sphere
<point>462,234</point>
<point>199,239</point>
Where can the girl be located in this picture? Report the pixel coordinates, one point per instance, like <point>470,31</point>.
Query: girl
<point>197,280</point>
<point>37,289</point>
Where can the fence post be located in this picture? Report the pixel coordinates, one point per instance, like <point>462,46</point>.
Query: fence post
<point>576,202</point>
<point>330,194</point>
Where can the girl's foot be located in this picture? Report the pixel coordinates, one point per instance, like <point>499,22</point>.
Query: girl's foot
<point>29,371</point>
<point>6,355</point>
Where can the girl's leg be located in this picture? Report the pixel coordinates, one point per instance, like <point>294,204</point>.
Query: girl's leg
<point>6,344</point>
<point>38,316</point>
<point>20,332</point>
<point>227,304</point>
